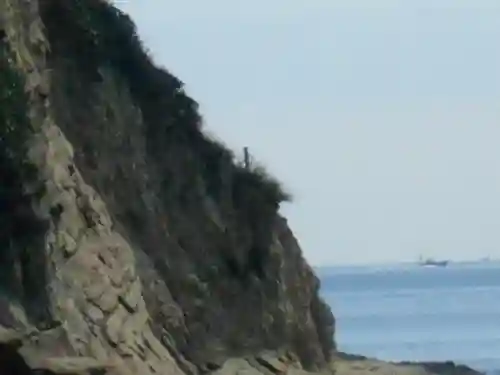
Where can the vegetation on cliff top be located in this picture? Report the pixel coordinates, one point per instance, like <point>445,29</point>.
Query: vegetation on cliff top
<point>98,39</point>
<point>108,36</point>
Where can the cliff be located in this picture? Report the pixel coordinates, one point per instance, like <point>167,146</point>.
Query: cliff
<point>130,241</point>
<point>129,238</point>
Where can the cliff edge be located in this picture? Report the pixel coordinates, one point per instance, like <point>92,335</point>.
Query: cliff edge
<point>129,238</point>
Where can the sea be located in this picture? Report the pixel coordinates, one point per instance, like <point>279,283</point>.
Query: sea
<point>415,313</point>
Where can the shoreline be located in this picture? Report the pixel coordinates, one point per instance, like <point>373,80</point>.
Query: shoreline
<point>354,364</point>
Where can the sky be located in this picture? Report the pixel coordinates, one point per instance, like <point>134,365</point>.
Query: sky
<point>381,117</point>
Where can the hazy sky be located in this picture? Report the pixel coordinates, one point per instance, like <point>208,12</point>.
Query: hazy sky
<point>382,117</point>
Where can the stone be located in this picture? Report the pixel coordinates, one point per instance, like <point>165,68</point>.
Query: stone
<point>93,290</point>
<point>132,296</point>
<point>108,300</point>
<point>94,313</point>
<point>72,365</point>
<point>272,363</point>
<point>153,344</point>
<point>237,367</point>
<point>66,243</point>
<point>114,325</point>
<point>10,336</point>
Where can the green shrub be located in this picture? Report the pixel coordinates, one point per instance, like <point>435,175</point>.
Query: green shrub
<point>256,181</point>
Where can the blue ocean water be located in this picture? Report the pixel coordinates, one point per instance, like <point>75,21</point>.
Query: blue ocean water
<point>418,313</point>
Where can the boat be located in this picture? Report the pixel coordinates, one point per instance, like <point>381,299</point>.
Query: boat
<point>429,262</point>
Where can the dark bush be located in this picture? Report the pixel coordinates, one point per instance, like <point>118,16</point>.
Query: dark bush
<point>190,162</point>
<point>20,229</point>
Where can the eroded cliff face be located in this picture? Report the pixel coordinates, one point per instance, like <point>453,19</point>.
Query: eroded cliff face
<point>130,241</point>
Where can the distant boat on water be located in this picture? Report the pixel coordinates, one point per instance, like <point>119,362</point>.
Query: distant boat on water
<point>429,262</point>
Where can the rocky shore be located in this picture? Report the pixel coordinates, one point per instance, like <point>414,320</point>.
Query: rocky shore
<point>34,352</point>
<point>358,364</point>
<point>132,243</point>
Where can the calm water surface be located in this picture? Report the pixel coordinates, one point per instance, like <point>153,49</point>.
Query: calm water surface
<point>418,313</point>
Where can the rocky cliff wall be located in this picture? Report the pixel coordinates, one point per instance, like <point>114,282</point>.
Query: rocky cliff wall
<point>130,240</point>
